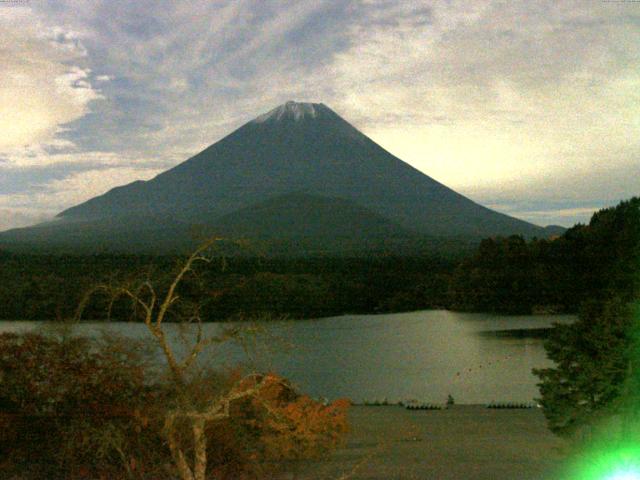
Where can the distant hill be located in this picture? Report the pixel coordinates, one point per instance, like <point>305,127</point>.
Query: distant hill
<point>300,215</point>
<point>554,230</point>
<point>298,171</point>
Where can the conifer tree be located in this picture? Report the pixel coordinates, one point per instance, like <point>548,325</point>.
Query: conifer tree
<point>598,356</point>
<point>592,360</point>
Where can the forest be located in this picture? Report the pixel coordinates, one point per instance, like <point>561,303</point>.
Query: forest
<point>504,275</point>
<point>588,262</point>
<point>43,287</point>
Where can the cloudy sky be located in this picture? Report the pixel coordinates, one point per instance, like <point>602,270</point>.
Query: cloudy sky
<point>529,107</point>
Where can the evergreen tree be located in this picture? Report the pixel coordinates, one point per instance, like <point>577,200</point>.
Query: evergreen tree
<point>592,361</point>
<point>597,358</point>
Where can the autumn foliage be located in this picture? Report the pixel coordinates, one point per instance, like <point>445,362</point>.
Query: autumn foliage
<point>75,408</point>
<point>291,425</point>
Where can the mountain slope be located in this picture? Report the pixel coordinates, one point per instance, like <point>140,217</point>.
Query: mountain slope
<point>297,147</point>
<point>299,215</point>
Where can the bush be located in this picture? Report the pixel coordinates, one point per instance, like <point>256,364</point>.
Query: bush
<point>77,408</point>
<point>70,407</point>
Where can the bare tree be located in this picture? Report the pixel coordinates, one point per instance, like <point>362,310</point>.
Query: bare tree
<point>154,307</point>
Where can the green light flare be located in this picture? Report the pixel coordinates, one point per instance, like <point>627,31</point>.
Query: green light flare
<point>613,453</point>
<point>624,475</point>
<point>616,463</point>
<point>616,453</point>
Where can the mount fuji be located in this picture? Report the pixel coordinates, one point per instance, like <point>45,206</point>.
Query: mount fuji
<point>299,172</point>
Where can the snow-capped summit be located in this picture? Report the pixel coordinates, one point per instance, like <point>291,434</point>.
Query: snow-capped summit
<point>293,110</point>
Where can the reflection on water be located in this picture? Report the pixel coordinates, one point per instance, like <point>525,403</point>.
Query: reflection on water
<point>422,355</point>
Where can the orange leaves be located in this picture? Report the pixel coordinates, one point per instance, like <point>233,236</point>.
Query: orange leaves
<point>274,424</point>
<point>289,425</point>
<point>305,428</point>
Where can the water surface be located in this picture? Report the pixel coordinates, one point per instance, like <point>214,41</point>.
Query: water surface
<point>423,355</point>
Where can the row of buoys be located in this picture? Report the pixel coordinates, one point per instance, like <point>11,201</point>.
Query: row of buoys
<point>425,406</point>
<point>510,405</point>
<point>409,404</point>
<point>416,405</point>
<point>378,403</point>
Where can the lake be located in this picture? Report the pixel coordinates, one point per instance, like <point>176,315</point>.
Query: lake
<point>424,355</point>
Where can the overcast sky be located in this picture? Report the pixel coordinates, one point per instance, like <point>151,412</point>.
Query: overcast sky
<point>529,107</point>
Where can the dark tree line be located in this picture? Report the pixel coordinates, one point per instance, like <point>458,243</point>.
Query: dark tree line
<point>588,262</point>
<point>504,275</point>
<point>45,287</point>
<point>598,357</point>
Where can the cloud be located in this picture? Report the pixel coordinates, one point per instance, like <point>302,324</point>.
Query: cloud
<point>64,152</point>
<point>506,102</point>
<point>545,211</point>
<point>21,217</point>
<point>187,74</point>
<point>569,198</point>
<point>500,93</point>
<point>43,84</point>
<point>82,186</point>
<point>45,200</point>
<point>566,217</point>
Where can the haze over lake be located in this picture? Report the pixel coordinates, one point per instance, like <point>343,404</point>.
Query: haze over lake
<point>422,355</point>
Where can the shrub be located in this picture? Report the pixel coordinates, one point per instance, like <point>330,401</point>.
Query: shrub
<point>70,407</point>
<point>77,408</point>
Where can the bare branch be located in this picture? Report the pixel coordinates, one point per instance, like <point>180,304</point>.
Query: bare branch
<point>176,452</point>
<point>202,343</point>
<point>171,296</point>
<point>154,307</point>
<point>86,298</point>
<point>121,291</point>
<point>200,449</point>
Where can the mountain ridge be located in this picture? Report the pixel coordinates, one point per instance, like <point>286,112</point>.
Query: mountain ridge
<point>305,148</point>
